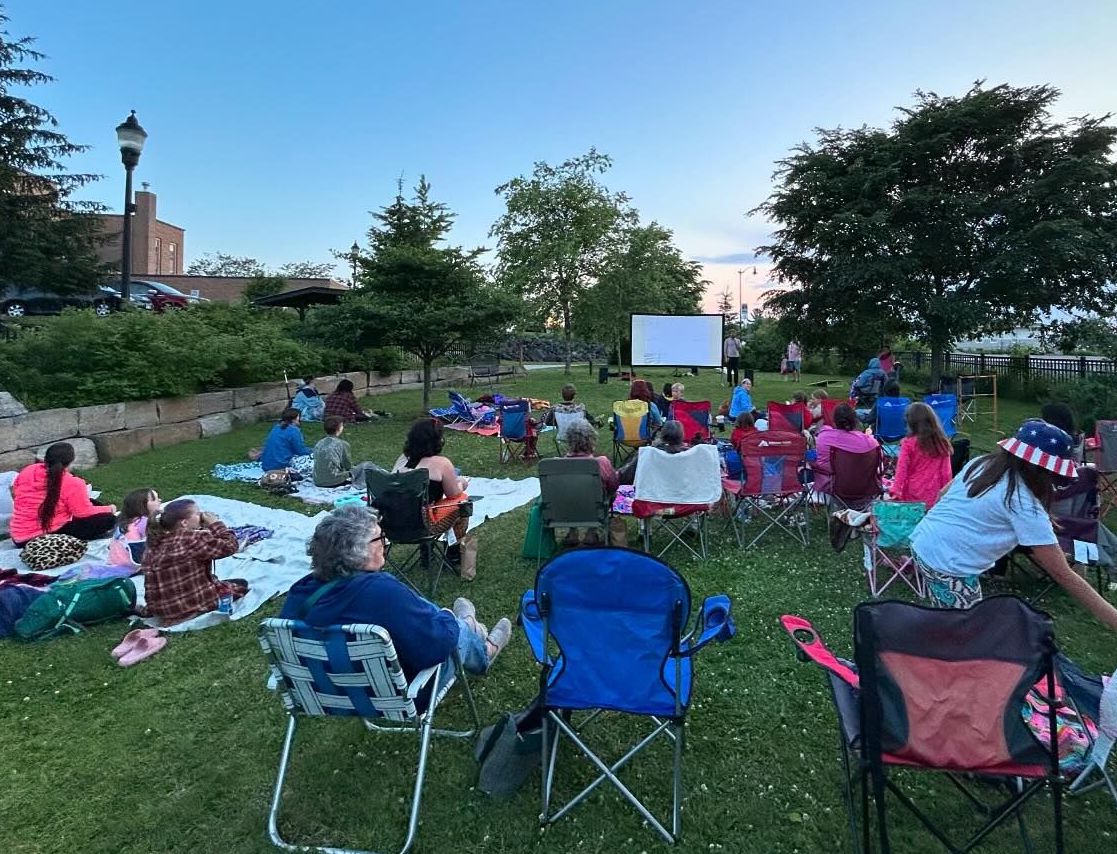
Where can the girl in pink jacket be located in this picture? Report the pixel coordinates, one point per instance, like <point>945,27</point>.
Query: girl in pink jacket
<point>47,499</point>
<point>923,469</point>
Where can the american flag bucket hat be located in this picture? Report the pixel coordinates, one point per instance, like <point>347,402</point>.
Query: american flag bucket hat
<point>1044,445</point>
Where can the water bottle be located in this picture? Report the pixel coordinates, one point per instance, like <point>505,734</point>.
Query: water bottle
<point>225,604</point>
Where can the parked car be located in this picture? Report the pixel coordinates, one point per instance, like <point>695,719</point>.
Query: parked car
<point>154,296</point>
<point>17,301</point>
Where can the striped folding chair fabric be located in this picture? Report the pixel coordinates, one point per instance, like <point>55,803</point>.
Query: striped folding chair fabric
<point>351,671</point>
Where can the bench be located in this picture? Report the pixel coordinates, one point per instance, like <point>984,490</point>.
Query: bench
<point>488,368</point>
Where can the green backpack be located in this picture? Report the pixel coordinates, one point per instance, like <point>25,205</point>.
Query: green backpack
<point>79,603</point>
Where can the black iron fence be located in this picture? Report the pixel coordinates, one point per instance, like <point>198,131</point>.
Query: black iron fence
<point>1019,367</point>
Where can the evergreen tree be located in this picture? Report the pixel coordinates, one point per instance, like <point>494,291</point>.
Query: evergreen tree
<point>47,238</point>
<point>414,292</point>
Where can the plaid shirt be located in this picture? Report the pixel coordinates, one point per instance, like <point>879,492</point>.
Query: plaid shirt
<point>178,572</point>
<point>343,404</point>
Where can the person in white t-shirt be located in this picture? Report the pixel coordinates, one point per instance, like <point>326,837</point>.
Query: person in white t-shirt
<point>794,359</point>
<point>996,503</point>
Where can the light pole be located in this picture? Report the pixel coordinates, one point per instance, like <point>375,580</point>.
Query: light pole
<point>354,253</point>
<point>740,298</point>
<point>130,137</point>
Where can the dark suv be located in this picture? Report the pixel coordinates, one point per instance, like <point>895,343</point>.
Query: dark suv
<point>16,301</point>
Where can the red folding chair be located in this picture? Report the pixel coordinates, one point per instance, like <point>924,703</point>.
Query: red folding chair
<point>794,417</point>
<point>770,490</point>
<point>828,407</point>
<point>855,478</point>
<point>694,415</point>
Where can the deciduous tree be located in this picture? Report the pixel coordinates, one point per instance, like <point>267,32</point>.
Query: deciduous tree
<point>970,215</point>
<point>560,225</point>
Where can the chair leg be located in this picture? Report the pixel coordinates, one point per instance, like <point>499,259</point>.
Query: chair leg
<point>550,743</point>
<point>677,799</point>
<point>420,775</point>
<point>277,795</point>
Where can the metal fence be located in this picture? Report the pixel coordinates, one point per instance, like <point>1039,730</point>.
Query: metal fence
<point>1019,367</point>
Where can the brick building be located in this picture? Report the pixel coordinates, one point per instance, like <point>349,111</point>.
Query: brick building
<point>157,246</point>
<point>231,288</point>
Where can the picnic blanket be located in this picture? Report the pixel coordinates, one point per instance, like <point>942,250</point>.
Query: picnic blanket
<point>479,429</point>
<point>249,472</point>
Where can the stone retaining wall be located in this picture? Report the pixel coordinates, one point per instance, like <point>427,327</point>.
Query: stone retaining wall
<point>113,431</point>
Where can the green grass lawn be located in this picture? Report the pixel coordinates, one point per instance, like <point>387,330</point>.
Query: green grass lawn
<point>179,753</point>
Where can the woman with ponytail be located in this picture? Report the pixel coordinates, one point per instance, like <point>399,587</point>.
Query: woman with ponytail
<point>47,499</point>
<point>182,544</point>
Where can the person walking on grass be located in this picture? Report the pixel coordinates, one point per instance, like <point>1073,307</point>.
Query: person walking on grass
<point>794,360</point>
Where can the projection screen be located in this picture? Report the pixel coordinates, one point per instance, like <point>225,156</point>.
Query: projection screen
<point>682,340</point>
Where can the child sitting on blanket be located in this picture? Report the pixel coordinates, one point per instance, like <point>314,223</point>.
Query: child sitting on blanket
<point>333,465</point>
<point>182,544</point>
<point>129,535</point>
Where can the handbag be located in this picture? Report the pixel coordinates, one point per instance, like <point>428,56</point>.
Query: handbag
<point>509,750</point>
<point>50,551</point>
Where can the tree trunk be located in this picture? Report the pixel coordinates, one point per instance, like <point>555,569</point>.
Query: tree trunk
<point>427,384</point>
<point>937,353</point>
<point>566,335</point>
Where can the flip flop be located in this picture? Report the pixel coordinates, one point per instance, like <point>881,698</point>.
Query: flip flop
<point>144,647</point>
<point>130,639</point>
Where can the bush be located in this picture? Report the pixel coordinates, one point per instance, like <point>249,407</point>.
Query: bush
<point>386,360</point>
<point>1092,399</point>
<point>79,359</point>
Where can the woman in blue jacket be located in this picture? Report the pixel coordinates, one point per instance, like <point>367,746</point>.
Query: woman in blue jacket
<point>284,442</point>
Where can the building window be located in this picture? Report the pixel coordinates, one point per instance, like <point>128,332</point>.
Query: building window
<point>172,258</point>
<point>158,255</point>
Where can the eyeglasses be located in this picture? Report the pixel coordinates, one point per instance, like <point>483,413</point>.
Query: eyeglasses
<point>377,539</point>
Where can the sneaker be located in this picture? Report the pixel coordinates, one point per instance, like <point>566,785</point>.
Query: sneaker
<point>499,636</point>
<point>464,609</point>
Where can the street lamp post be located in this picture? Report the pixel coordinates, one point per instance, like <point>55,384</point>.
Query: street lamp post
<point>740,298</point>
<point>354,254</point>
<point>130,137</point>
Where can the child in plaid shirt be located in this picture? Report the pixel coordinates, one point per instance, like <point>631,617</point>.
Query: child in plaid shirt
<point>182,544</point>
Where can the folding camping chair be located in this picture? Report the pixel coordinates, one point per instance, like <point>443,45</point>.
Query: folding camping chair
<point>517,431</point>
<point>889,546</point>
<point>967,399</point>
<point>890,428</point>
<point>674,494</point>
<point>468,413</point>
<point>784,417</point>
<point>980,665</point>
<point>771,490</point>
<point>609,626</point>
<point>562,421</point>
<point>571,496</point>
<point>946,408</point>
<point>1105,435</point>
<point>402,500</point>
<point>353,671</point>
<point>694,416</point>
<point>631,428</point>
<point>855,478</point>
<point>829,404</point>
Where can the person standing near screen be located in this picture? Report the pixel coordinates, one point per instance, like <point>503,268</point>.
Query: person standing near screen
<point>732,351</point>
<point>794,359</point>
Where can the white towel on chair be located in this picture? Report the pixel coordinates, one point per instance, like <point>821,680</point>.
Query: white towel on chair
<point>692,476</point>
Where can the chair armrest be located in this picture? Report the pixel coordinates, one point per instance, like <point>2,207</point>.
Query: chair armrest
<point>532,625</point>
<point>715,624</point>
<point>421,679</point>
<point>812,647</point>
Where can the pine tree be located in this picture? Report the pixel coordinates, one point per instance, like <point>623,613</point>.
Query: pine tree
<point>47,239</point>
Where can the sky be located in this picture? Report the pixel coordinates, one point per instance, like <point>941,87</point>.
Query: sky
<point>275,126</point>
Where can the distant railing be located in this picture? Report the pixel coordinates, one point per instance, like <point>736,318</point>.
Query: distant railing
<point>1020,367</point>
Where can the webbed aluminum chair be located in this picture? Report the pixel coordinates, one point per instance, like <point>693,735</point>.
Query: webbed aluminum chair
<point>609,626</point>
<point>353,671</point>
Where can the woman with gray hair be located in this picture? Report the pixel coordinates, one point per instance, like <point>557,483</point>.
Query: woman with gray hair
<point>346,584</point>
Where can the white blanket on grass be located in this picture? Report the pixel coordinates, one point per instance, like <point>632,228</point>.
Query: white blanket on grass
<point>271,566</point>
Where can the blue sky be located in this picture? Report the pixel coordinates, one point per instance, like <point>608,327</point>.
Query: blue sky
<point>276,125</point>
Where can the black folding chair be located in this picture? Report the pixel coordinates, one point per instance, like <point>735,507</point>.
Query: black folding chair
<point>401,499</point>
<point>571,496</point>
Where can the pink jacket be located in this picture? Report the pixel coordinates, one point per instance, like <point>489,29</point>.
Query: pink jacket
<point>919,477</point>
<point>30,490</point>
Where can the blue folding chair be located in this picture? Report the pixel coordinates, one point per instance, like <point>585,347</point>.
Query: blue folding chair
<point>946,408</point>
<point>353,671</point>
<point>609,626</point>
<point>517,432</point>
<point>465,414</point>
<point>891,427</point>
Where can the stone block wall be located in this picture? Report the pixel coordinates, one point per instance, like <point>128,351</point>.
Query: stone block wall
<point>114,431</point>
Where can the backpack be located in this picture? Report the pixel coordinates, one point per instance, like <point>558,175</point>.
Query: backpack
<point>277,482</point>
<point>76,604</point>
